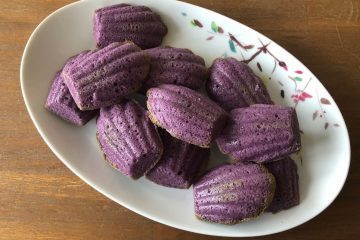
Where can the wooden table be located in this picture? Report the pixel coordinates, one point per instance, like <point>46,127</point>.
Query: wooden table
<point>41,199</point>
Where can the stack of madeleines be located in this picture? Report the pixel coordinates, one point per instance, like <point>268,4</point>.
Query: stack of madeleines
<point>169,142</point>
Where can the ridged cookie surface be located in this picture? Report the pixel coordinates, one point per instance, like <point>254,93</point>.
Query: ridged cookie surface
<point>233,193</point>
<point>233,84</point>
<point>177,66</point>
<point>260,133</point>
<point>124,22</point>
<point>180,163</point>
<point>61,103</point>
<point>129,140</point>
<point>287,184</point>
<point>104,76</point>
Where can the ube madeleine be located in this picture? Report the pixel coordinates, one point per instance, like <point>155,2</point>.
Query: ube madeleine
<point>287,184</point>
<point>260,133</point>
<point>186,114</point>
<point>233,84</point>
<point>129,140</point>
<point>104,76</point>
<point>61,103</point>
<point>180,163</point>
<point>124,22</point>
<point>177,66</point>
<point>233,193</point>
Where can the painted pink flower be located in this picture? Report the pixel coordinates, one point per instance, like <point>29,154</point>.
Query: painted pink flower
<point>300,96</point>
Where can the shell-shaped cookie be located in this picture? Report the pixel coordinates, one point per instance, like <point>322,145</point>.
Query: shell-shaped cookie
<point>260,133</point>
<point>124,22</point>
<point>180,163</point>
<point>185,114</point>
<point>61,103</point>
<point>287,184</point>
<point>103,77</point>
<point>233,193</point>
<point>233,84</point>
<point>177,66</point>
<point>129,140</point>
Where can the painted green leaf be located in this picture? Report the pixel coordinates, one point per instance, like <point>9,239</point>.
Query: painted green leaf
<point>214,27</point>
<point>232,46</point>
<point>192,22</point>
<point>299,79</point>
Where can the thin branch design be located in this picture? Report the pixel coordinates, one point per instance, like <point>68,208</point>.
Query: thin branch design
<point>245,47</point>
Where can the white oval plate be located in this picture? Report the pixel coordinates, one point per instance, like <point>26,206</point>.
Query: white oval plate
<point>323,162</point>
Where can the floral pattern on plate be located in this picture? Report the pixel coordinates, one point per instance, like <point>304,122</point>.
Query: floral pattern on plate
<point>249,52</point>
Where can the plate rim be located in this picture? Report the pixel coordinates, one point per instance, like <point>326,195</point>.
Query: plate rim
<point>128,206</point>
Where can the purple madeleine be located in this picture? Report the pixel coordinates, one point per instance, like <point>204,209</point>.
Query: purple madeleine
<point>233,84</point>
<point>186,114</point>
<point>260,133</point>
<point>175,66</point>
<point>230,194</point>
<point>60,102</point>
<point>104,76</point>
<point>287,184</point>
<point>180,163</point>
<point>124,22</point>
<point>129,140</point>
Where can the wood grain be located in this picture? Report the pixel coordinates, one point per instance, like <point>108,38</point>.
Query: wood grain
<point>41,199</point>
